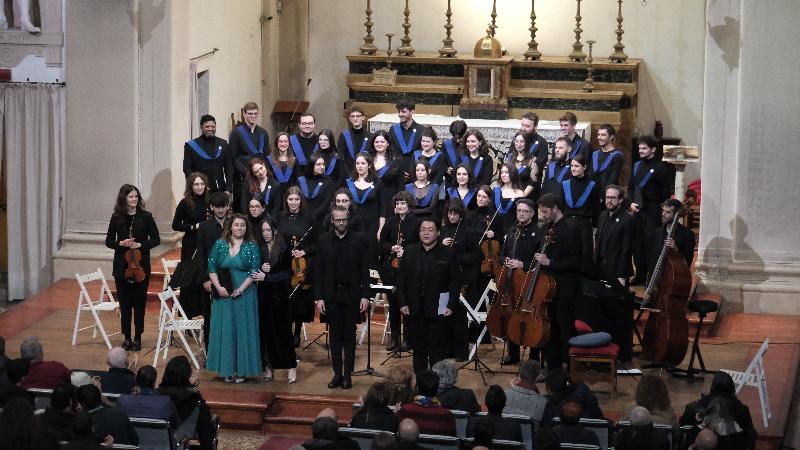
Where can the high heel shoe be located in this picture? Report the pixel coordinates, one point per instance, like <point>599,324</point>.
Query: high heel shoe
<point>266,376</point>
<point>229,379</point>
<point>292,376</point>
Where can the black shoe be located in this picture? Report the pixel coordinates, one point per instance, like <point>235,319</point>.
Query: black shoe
<point>510,360</point>
<point>347,382</point>
<point>405,347</point>
<point>392,347</point>
<point>126,344</point>
<point>136,346</point>
<point>296,341</point>
<point>336,381</point>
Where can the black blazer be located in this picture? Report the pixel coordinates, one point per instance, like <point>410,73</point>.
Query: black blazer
<point>565,259</point>
<point>507,429</point>
<point>684,240</point>
<point>458,398</point>
<point>612,252</point>
<point>357,260</point>
<point>376,419</point>
<point>420,291</point>
<point>145,232</point>
<point>210,230</point>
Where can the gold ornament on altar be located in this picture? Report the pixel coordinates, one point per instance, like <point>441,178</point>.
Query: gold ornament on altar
<point>577,54</point>
<point>533,53</point>
<point>588,85</point>
<point>385,76</point>
<point>489,46</point>
<point>368,48</point>
<point>448,50</point>
<point>619,55</point>
<point>406,49</point>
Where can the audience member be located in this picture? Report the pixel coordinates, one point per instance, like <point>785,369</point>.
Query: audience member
<point>546,439</point>
<point>485,433</point>
<point>59,415</point>
<point>145,402</point>
<point>17,369</point>
<point>408,435</point>
<point>79,379</point>
<point>652,393</point>
<point>569,431</point>
<point>325,433</point>
<point>450,395</point>
<point>507,429</point>
<point>85,439</point>
<point>20,428</point>
<point>375,413</point>
<point>705,440</point>
<point>118,379</point>
<point>108,421</point>
<point>401,382</point>
<point>641,434</point>
<point>384,441</point>
<point>42,374</point>
<point>523,397</point>
<point>180,385</point>
<point>560,390</point>
<point>426,410</point>
<point>4,360</point>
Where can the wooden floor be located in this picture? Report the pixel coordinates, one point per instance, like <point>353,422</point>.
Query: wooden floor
<point>280,407</point>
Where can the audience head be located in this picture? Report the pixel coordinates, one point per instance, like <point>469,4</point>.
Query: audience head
<point>529,371</point>
<point>329,413</point>
<point>570,413</point>
<point>556,381</point>
<point>146,377</point>
<point>325,428</point>
<point>546,439</point>
<point>177,374</point>
<point>408,431</point>
<point>640,416</point>
<point>17,424</point>
<point>447,372</point>
<point>427,383</point>
<point>79,379</point>
<point>722,384</point>
<point>117,358</point>
<point>17,369</point>
<point>401,382</point>
<point>31,349</point>
<point>652,393</point>
<point>484,432</point>
<point>383,441</point>
<point>64,397</point>
<point>495,399</point>
<point>706,440</point>
<point>89,396</point>
<point>378,396</point>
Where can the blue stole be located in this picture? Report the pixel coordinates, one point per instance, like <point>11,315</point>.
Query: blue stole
<point>533,148</point>
<point>577,147</point>
<point>478,166</point>
<point>521,170</point>
<point>383,170</point>
<point>498,202</point>
<point>301,181</point>
<point>646,176</point>
<point>405,146</point>
<point>582,199</point>
<point>353,190</point>
<point>281,175</point>
<point>243,131</point>
<point>331,166</point>
<point>551,171</point>
<point>431,159</point>
<point>202,153</point>
<point>451,154</point>
<point>453,193</point>
<point>425,201</point>
<point>265,195</point>
<point>606,163</point>
<point>298,150</point>
<point>348,140</point>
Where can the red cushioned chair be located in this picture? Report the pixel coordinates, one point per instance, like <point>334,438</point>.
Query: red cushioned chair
<point>593,364</point>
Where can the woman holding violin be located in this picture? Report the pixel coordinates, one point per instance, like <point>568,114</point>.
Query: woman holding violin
<point>483,221</point>
<point>132,232</point>
<point>296,228</point>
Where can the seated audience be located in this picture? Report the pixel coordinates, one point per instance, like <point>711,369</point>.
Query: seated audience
<point>430,416</point>
<point>507,429</point>
<point>560,390</point>
<point>118,379</point>
<point>59,415</point>
<point>569,431</point>
<point>408,435</point>
<point>16,371</point>
<point>722,412</point>
<point>325,434</point>
<point>145,402</point>
<point>652,394</point>
<point>108,421</point>
<point>641,433</point>
<point>546,439</point>
<point>401,383</point>
<point>705,440</point>
<point>42,374</point>
<point>79,379</point>
<point>484,433</point>
<point>375,413</point>
<point>450,395</point>
<point>180,384</point>
<point>85,439</point>
<point>384,441</point>
<point>523,397</point>
<point>4,360</point>
<point>21,429</point>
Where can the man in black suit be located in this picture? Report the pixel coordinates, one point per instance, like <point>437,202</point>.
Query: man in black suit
<point>247,141</point>
<point>208,232</point>
<point>612,260</point>
<point>342,291</point>
<point>210,155</point>
<point>682,239</point>
<point>428,285</point>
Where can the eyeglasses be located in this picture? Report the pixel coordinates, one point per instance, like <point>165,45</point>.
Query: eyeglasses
<point>252,114</point>
<point>339,220</point>
<point>305,124</point>
<point>525,211</point>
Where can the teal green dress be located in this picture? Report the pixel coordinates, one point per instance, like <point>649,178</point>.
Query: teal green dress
<point>234,346</point>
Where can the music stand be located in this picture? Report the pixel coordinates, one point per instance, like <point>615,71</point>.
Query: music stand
<point>478,365</point>
<point>323,345</point>
<point>376,289</point>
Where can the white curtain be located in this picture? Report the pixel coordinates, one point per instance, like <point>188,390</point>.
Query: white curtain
<point>31,134</point>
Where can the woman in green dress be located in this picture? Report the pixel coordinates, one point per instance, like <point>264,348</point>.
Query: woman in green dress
<point>234,350</point>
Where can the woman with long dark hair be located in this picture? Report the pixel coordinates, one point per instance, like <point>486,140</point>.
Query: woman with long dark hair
<point>454,146</point>
<point>180,384</point>
<point>335,168</point>
<point>429,153</point>
<point>478,159</point>
<point>425,192</point>
<point>132,232</point>
<point>526,165</point>
<point>367,192</point>
<point>463,188</point>
<point>389,168</point>
<point>261,185</point>
<point>283,163</point>
<point>275,309</point>
<point>191,210</point>
<point>506,195</point>
<point>317,187</point>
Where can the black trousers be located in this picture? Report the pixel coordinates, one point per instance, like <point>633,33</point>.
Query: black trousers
<point>430,340</point>
<point>459,345</point>
<point>132,298</point>
<point>643,223</point>
<point>342,334</point>
<point>206,300</point>
<point>562,328</point>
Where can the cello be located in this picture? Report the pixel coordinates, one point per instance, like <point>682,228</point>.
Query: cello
<point>666,333</point>
<point>529,325</point>
<point>490,249</point>
<point>507,290</point>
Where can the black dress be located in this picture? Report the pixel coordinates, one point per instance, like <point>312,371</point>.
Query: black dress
<point>318,192</point>
<point>438,163</point>
<point>482,169</point>
<point>582,208</point>
<point>275,310</point>
<point>270,196</point>
<point>284,177</point>
<point>187,219</point>
<point>296,225</point>
<point>366,217</point>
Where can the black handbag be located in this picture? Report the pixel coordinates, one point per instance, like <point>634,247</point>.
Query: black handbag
<point>186,274</point>
<point>225,280</point>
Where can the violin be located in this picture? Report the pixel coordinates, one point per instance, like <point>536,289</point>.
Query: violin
<point>395,263</point>
<point>134,273</point>
<point>490,249</point>
<point>299,266</point>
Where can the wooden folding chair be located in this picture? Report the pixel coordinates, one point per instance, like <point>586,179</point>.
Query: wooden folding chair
<point>105,302</point>
<point>174,319</point>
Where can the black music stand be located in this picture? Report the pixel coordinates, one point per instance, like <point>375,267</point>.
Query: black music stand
<point>323,345</point>
<point>376,289</point>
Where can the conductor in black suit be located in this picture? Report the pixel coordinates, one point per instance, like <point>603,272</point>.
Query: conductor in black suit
<point>427,291</point>
<point>341,288</point>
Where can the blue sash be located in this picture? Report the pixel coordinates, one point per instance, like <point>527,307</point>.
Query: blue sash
<point>478,167</point>
<point>498,202</point>
<point>451,154</point>
<point>298,150</point>
<point>521,170</point>
<point>265,195</point>
<point>331,166</point>
<point>304,187</point>
<point>646,176</point>
<point>348,140</point>
<point>405,146</point>
<point>576,149</point>
<point>281,175</point>
<point>551,172</point>
<point>425,201</point>
<point>202,153</point>
<point>606,163</point>
<point>582,199</point>
<point>431,159</point>
<point>250,146</point>
<point>453,193</point>
<point>533,148</point>
<point>383,170</point>
<point>353,190</point>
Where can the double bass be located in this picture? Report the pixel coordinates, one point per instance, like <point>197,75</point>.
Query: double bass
<point>529,324</point>
<point>507,291</point>
<point>666,332</point>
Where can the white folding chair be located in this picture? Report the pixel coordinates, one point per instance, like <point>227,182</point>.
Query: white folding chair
<point>169,268</point>
<point>105,302</point>
<point>474,314</point>
<point>173,319</point>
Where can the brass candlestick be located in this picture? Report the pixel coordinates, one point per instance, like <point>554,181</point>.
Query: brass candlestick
<point>389,51</point>
<point>619,56</point>
<point>588,85</point>
<point>493,26</point>
<point>577,54</point>
<point>448,50</point>
<point>533,53</point>
<point>406,49</point>
<point>369,47</point>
